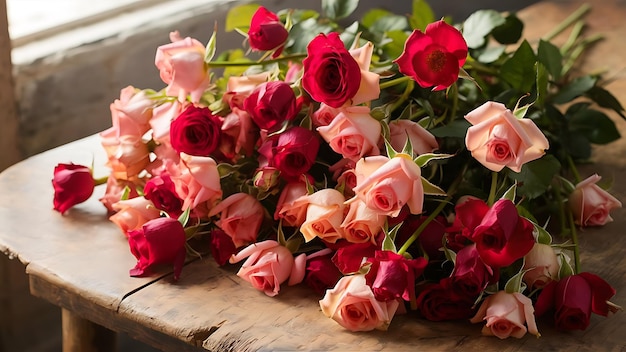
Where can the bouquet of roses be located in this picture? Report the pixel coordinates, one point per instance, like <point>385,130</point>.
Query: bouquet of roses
<point>400,162</point>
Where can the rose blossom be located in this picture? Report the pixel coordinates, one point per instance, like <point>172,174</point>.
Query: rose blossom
<point>222,246</point>
<point>543,266</point>
<point>506,314</point>
<point>266,32</point>
<point>498,138</point>
<point>361,224</point>
<point>127,156</point>
<point>438,302</point>
<point>268,266</point>
<point>350,258</point>
<point>162,192</point>
<point>392,276</point>
<point>196,131</point>
<point>292,204</point>
<point>293,152</point>
<point>353,133</point>
<point>159,241</point>
<point>471,275</point>
<point>73,184</point>
<point>386,185</point>
<point>116,188</point>
<point>241,216</point>
<point>197,182</point>
<point>352,304</point>
<point>239,88</point>
<point>325,114</point>
<point>271,104</point>
<point>239,134</point>
<point>181,66</point>
<point>132,214</point>
<point>324,216</point>
<point>422,141</point>
<point>574,298</point>
<point>590,204</point>
<point>321,272</point>
<point>434,57</point>
<point>130,114</point>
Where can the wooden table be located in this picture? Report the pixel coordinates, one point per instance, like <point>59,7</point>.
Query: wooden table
<point>80,262</point>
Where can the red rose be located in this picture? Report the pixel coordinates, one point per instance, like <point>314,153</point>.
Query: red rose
<point>159,241</point>
<point>196,131</point>
<point>73,184</point>
<point>292,152</point>
<point>471,275</point>
<point>162,192</point>
<point>331,75</point>
<point>437,302</point>
<point>503,236</point>
<point>430,240</point>
<point>222,246</point>
<point>433,58</point>
<point>392,276</point>
<point>574,298</point>
<point>321,273</point>
<point>267,32</point>
<point>270,104</point>
<point>350,257</point>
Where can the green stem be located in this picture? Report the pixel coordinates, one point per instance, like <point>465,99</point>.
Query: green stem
<point>492,189</point>
<point>405,95</point>
<point>101,181</point>
<point>393,82</point>
<point>480,68</point>
<point>573,168</point>
<point>574,236</point>
<point>571,40</point>
<point>217,64</point>
<point>573,17</point>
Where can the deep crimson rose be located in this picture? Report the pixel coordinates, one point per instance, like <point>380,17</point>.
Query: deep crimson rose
<point>574,298</point>
<point>438,302</point>
<point>159,241</point>
<point>502,236</point>
<point>434,57</point>
<point>321,273</point>
<point>350,257</point>
<point>471,275</point>
<point>162,192</point>
<point>331,75</point>
<point>292,152</point>
<point>267,32</point>
<point>392,276</point>
<point>73,184</point>
<point>196,131</point>
<point>270,104</point>
<point>222,246</point>
<point>429,240</point>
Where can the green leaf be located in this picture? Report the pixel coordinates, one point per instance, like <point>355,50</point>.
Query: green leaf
<point>240,17</point>
<point>595,125</point>
<point>536,176</point>
<point>605,99</point>
<point>542,84</point>
<point>395,46</point>
<point>577,145</point>
<point>303,32</point>
<point>550,56</point>
<point>479,25</point>
<point>209,52</point>
<point>515,283</point>
<point>422,15</point>
<point>489,54</point>
<point>184,217</point>
<point>566,268</point>
<point>519,70</point>
<point>576,88</point>
<point>432,189</point>
<point>390,238</point>
<point>542,235</point>
<point>457,128</point>
<point>337,9</point>
<point>509,32</point>
<point>372,16</point>
<point>389,23</point>
<point>510,193</point>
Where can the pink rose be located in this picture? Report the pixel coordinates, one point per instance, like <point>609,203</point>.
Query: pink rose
<point>353,133</point>
<point>239,134</point>
<point>543,266</point>
<point>127,156</point>
<point>362,224</point>
<point>115,189</point>
<point>324,216</point>
<point>267,32</point>
<point>369,89</point>
<point>269,265</point>
<point>271,104</point>
<point>197,182</point>
<point>130,114</point>
<point>498,138</point>
<point>239,88</point>
<point>73,184</point>
<point>325,114</point>
<point>386,185</point>
<point>132,214</point>
<point>241,216</point>
<point>507,314</point>
<point>590,204</point>
<point>182,68</point>
<point>352,304</point>
<point>422,141</point>
<point>292,204</point>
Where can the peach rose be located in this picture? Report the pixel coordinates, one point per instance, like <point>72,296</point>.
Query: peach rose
<point>498,139</point>
<point>239,88</point>
<point>324,216</point>
<point>386,185</point>
<point>369,89</point>
<point>353,133</point>
<point>241,216</point>
<point>133,213</point>
<point>361,223</point>
<point>352,304</point>
<point>182,68</point>
<point>115,188</point>
<point>543,265</point>
<point>422,141</point>
<point>292,204</point>
<point>507,314</point>
<point>197,182</point>
<point>590,204</point>
<point>324,115</point>
<point>127,156</point>
<point>269,265</point>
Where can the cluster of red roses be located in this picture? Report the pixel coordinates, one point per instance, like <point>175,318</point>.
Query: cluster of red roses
<point>298,147</point>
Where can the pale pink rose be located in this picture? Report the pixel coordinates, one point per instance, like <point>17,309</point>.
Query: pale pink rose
<point>590,204</point>
<point>241,216</point>
<point>353,133</point>
<point>294,72</point>
<point>239,88</point>
<point>361,223</point>
<point>162,117</point>
<point>127,156</point>
<point>507,314</point>
<point>352,304</point>
<point>197,182</point>
<point>130,115</point>
<point>269,265</point>
<point>422,141</point>
<point>240,131</point>
<point>133,213</point>
<point>324,115</point>
<point>182,67</point>
<point>386,185</point>
<point>324,216</point>
<point>369,88</point>
<point>498,139</point>
<point>292,204</point>
<point>543,264</point>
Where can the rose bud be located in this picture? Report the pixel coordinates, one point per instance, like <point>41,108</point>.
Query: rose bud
<point>270,104</point>
<point>266,31</point>
<point>73,184</point>
<point>507,314</point>
<point>471,275</point>
<point>162,192</point>
<point>590,204</point>
<point>543,264</point>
